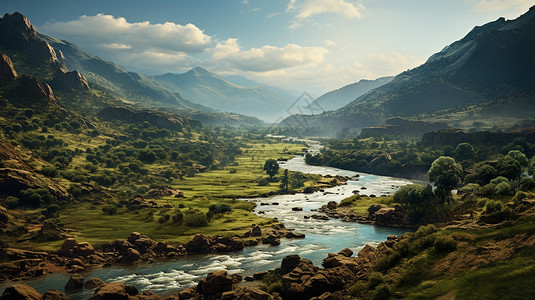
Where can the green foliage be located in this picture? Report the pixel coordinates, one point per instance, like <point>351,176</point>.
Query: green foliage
<point>502,188</point>
<point>284,181</point>
<point>493,206</point>
<point>509,168</point>
<point>418,201</point>
<point>195,218</point>
<point>519,157</point>
<point>445,173</point>
<point>527,184</point>
<point>349,200</point>
<point>271,167</point>
<point>109,209</point>
<point>11,202</point>
<point>444,243</point>
<point>464,151</point>
<point>263,182</point>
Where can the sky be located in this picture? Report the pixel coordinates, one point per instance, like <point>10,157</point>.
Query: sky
<point>300,45</point>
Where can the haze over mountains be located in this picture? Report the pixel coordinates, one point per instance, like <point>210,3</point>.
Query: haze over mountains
<point>206,88</point>
<point>338,98</point>
<point>491,61</point>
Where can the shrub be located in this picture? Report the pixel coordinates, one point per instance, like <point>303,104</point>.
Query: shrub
<point>177,217</point>
<point>49,171</point>
<point>219,208</point>
<point>196,219</point>
<point>519,196</point>
<point>527,184</point>
<point>382,292</point>
<point>493,206</point>
<point>263,182</point>
<point>499,180</point>
<point>109,209</point>
<point>471,188</point>
<point>445,243</point>
<point>374,280</point>
<point>11,202</point>
<point>163,219</point>
<point>502,188</point>
<point>52,208</point>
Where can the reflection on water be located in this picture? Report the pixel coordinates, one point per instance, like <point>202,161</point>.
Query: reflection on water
<point>322,237</point>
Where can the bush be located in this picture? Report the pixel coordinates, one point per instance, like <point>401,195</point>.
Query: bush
<point>502,188</point>
<point>11,202</point>
<point>219,208</point>
<point>445,243</point>
<point>109,209</point>
<point>52,209</point>
<point>263,182</point>
<point>374,280</point>
<point>527,184</point>
<point>493,206</point>
<point>49,171</point>
<point>499,180</point>
<point>382,292</point>
<point>519,196</point>
<point>196,219</point>
<point>177,217</point>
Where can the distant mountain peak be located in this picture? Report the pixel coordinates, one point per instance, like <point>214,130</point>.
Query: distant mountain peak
<point>199,71</point>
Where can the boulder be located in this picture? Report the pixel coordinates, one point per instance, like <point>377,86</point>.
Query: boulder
<point>271,239</point>
<point>346,252</point>
<point>289,263</point>
<point>131,255</point>
<point>199,244</point>
<point>246,293</point>
<point>374,208</point>
<point>332,205</point>
<point>54,295</point>
<point>297,208</point>
<point>215,284</point>
<point>71,248</point>
<point>256,231</point>
<point>21,292</point>
<point>94,283</point>
<point>111,291</point>
<point>76,282</point>
<point>7,70</point>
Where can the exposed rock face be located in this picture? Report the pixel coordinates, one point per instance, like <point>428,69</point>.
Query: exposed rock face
<point>204,244</point>
<point>455,136</point>
<point>158,119</point>
<point>141,247</point>
<point>73,80</point>
<point>17,33</point>
<point>37,92</point>
<point>246,293</point>
<point>7,70</point>
<point>12,181</point>
<point>388,216</point>
<point>400,126</point>
<point>20,292</point>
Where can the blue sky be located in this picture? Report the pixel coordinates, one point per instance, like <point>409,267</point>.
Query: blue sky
<point>302,45</point>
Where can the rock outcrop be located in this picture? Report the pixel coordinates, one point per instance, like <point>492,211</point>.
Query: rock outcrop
<point>17,33</point>
<point>204,244</point>
<point>36,91</point>
<point>7,70</point>
<point>12,181</point>
<point>73,80</point>
<point>21,291</point>
<point>158,119</point>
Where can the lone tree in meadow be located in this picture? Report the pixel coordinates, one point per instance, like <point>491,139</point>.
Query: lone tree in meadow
<point>445,173</point>
<point>271,167</point>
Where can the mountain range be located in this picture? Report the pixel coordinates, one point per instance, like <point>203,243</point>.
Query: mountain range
<point>197,92</point>
<point>338,98</point>
<point>203,87</point>
<point>492,61</point>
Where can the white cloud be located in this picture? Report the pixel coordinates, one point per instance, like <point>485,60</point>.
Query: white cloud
<point>111,32</point>
<point>266,58</point>
<point>308,8</point>
<point>502,5</point>
<point>330,43</point>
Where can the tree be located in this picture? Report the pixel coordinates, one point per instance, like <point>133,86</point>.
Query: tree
<point>445,173</point>
<point>284,181</point>
<point>464,151</point>
<point>271,167</point>
<point>519,157</point>
<point>509,167</point>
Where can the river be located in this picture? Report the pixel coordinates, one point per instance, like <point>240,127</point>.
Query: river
<point>322,237</point>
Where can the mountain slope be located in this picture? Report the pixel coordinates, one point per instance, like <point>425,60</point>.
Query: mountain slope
<point>130,86</point>
<point>203,87</point>
<point>491,61</point>
<point>338,98</point>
